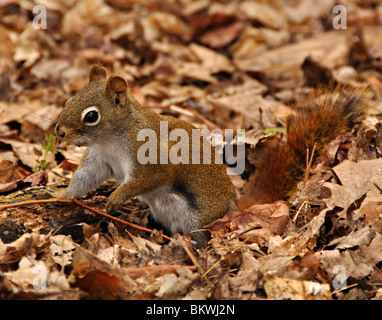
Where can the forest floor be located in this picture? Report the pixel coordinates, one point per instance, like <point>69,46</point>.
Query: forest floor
<point>217,64</point>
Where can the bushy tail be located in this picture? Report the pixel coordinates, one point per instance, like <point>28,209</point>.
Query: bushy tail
<point>315,123</point>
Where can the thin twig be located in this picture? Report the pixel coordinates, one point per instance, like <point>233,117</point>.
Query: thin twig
<point>18,204</point>
<point>244,232</point>
<point>191,255</point>
<point>344,288</point>
<point>299,210</point>
<point>71,201</point>
<point>188,112</point>
<point>214,265</point>
<point>204,120</point>
<point>309,164</point>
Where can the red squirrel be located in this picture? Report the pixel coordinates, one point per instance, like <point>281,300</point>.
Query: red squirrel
<point>183,197</point>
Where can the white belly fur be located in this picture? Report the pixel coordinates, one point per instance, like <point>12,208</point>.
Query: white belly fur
<point>119,161</point>
<point>170,209</point>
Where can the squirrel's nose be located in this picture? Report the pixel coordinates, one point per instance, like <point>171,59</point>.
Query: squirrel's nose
<point>60,134</point>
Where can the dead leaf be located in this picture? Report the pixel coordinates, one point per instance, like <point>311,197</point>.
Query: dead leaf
<point>90,273</point>
<point>158,23</point>
<point>274,264</point>
<point>211,60</point>
<point>273,219</point>
<point>171,285</point>
<point>222,36</point>
<point>50,69</point>
<point>282,65</point>
<point>68,165</point>
<point>216,64</point>
<point>26,152</point>
<point>62,248</point>
<point>244,110</point>
<point>253,41</point>
<point>356,180</point>
<point>358,238</point>
<point>282,288</point>
<point>38,275</point>
<point>8,172</point>
<point>33,180</point>
<point>14,251</point>
<point>156,271</point>
<point>265,14</point>
<point>99,285</point>
<point>356,263</point>
<point>314,226</point>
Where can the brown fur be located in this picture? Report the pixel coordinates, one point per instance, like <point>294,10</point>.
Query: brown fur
<point>326,114</point>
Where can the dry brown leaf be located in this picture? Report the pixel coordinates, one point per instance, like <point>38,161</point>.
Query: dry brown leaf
<point>253,41</point>
<point>99,285</point>
<point>356,180</point>
<point>156,271</point>
<point>158,23</point>
<point>244,110</point>
<point>38,275</point>
<point>89,273</point>
<point>172,286</point>
<point>211,60</point>
<point>273,219</point>
<point>33,180</point>
<point>68,165</point>
<point>357,254</point>
<point>358,238</point>
<point>85,14</point>
<point>263,13</point>
<point>282,288</point>
<point>283,64</point>
<point>14,251</point>
<point>26,152</point>
<point>222,36</point>
<point>8,172</point>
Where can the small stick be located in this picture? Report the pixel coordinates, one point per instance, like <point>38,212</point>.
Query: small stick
<point>344,288</point>
<point>309,164</point>
<point>134,226</point>
<point>188,112</point>
<point>191,255</point>
<point>299,210</point>
<point>18,204</point>
<point>244,232</point>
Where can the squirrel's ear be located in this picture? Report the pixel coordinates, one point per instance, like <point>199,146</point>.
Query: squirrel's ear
<point>97,73</point>
<point>116,88</point>
<point>116,84</point>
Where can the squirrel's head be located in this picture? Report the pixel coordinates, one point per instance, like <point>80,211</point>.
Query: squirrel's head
<point>96,111</point>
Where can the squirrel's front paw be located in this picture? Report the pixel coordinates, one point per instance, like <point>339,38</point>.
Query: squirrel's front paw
<point>60,194</point>
<point>114,202</point>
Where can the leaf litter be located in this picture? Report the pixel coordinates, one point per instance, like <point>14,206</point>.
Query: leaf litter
<point>217,64</point>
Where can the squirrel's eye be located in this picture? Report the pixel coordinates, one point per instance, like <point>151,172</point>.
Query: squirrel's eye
<point>90,116</point>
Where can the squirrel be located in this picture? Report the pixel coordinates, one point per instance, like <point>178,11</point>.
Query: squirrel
<point>185,196</point>
<point>105,117</point>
